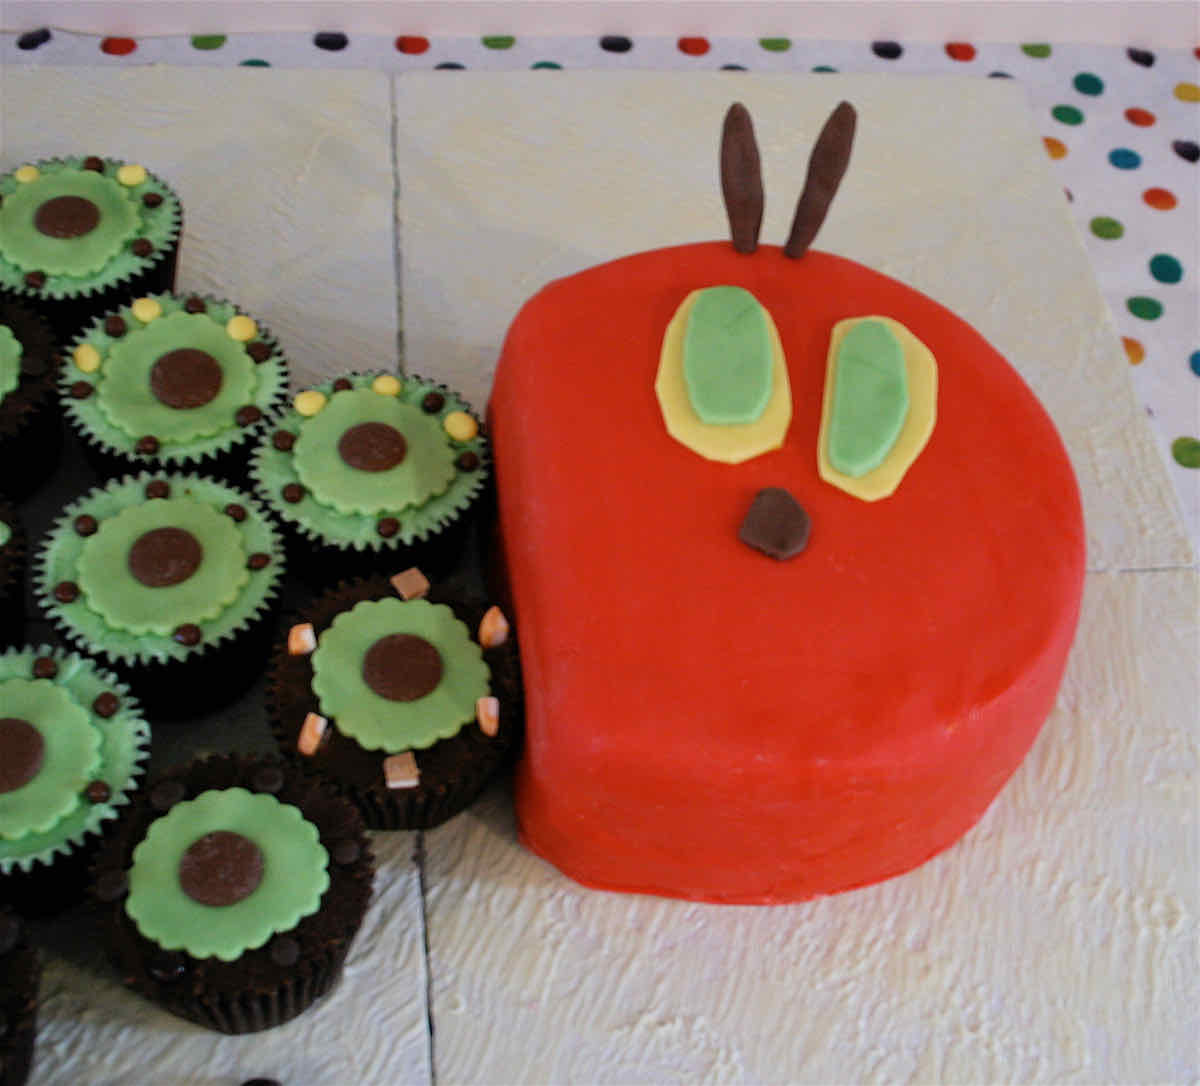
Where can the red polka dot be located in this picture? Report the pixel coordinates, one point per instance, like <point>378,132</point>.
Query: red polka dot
<point>412,45</point>
<point>1143,118</point>
<point>694,47</point>
<point>960,50</point>
<point>1160,199</point>
<point>118,47</point>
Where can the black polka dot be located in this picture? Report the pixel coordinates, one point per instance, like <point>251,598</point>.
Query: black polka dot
<point>34,38</point>
<point>615,43</point>
<point>733,67</point>
<point>887,50</point>
<point>999,75</point>
<point>331,40</point>
<point>1186,149</point>
<point>1141,56</point>
<point>449,66</point>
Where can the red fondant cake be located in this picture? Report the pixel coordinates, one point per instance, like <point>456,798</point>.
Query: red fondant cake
<point>706,722</point>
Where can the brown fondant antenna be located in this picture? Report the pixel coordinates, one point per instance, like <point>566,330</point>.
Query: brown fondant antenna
<point>741,178</point>
<point>826,167</point>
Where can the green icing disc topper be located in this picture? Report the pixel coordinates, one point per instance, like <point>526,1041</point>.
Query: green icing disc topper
<point>10,361</point>
<point>870,398</point>
<point>727,356</point>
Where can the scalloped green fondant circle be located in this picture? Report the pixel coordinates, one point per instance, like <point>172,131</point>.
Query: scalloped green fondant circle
<point>125,394</point>
<point>295,875</point>
<point>10,361</point>
<point>124,746</point>
<point>24,245</point>
<point>375,722</point>
<point>125,603</point>
<point>426,470</point>
<point>71,754</point>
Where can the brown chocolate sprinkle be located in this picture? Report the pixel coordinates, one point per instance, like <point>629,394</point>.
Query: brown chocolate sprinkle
<point>343,384</point>
<point>258,561</point>
<point>81,390</point>
<point>106,704</point>
<point>45,667</point>
<point>94,162</point>
<point>66,217</point>
<point>114,325</point>
<point>775,524</point>
<point>387,527</point>
<point>165,794</point>
<point>146,446</point>
<point>826,167</point>
<point>372,446</point>
<point>283,440</point>
<point>98,791</point>
<point>268,779</point>
<point>467,461</point>
<point>164,556</point>
<point>345,852</point>
<point>188,634</point>
<point>22,751</point>
<point>285,951</point>
<point>741,179</point>
<point>195,304</point>
<point>158,488</point>
<point>402,667</point>
<point>220,868</point>
<point>152,199</point>
<point>247,415</point>
<point>235,512</point>
<point>258,350</point>
<point>86,524</point>
<point>66,591</point>
<point>111,885</point>
<point>141,247</point>
<point>293,493</point>
<point>186,378</point>
<point>167,966</point>
<point>433,403</point>
<point>35,279</point>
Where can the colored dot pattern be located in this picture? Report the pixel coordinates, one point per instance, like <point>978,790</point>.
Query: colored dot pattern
<point>1067,115</point>
<point>1134,350</point>
<point>1089,84</point>
<point>1165,268</point>
<point>1054,148</point>
<point>1106,228</point>
<point>1124,159</point>
<point>1147,309</point>
<point>1160,199</point>
<point>1143,118</point>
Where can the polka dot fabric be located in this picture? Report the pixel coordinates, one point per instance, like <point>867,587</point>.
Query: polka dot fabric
<point>1121,127</point>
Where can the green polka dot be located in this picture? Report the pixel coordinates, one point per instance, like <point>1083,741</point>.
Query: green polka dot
<point>208,41</point>
<point>1166,269</point>
<point>775,45</point>
<point>1067,115</point>
<point>1186,451</point>
<point>499,41</point>
<point>1087,83</point>
<point>1148,309</point>
<point>546,64</point>
<point>254,62</point>
<point>1106,228</point>
<point>1037,50</point>
<point>824,68</point>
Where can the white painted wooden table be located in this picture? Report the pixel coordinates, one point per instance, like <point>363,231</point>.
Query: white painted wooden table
<point>1057,941</point>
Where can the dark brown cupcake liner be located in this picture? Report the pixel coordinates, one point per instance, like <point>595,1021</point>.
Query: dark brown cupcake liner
<point>255,991</point>
<point>12,579</point>
<point>30,422</point>
<point>453,771</point>
<point>20,975</point>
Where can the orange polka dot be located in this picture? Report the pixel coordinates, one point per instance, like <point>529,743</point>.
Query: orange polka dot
<point>118,47</point>
<point>1055,148</point>
<point>1143,118</point>
<point>1134,351</point>
<point>1160,199</point>
<point>1187,92</point>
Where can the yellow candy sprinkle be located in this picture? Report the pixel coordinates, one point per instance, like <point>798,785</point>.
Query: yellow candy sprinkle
<point>131,174</point>
<point>87,358</point>
<point>460,426</point>
<point>241,328</point>
<point>25,174</point>
<point>146,309</point>
<point>309,402</point>
<point>387,385</point>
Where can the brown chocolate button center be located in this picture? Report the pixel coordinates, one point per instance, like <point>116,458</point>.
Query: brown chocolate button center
<point>165,556</point>
<point>220,868</point>
<point>401,667</point>
<point>372,446</point>
<point>21,753</point>
<point>186,378</point>
<point>66,217</point>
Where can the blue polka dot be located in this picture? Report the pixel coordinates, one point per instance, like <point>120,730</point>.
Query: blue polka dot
<point>1125,159</point>
<point>1194,362</point>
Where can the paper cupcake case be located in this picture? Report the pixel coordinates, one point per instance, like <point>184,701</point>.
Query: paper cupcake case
<point>185,653</point>
<point>173,382</point>
<point>140,258</point>
<point>20,976</point>
<point>30,426</point>
<point>380,533</point>
<point>259,987</point>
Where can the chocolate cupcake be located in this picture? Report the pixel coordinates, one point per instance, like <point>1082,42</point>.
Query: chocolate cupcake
<point>72,746</point>
<point>232,890</point>
<point>12,576</point>
<point>167,382</point>
<point>20,975</point>
<point>30,427</point>
<point>408,696</point>
<point>169,579</point>
<point>374,472</point>
<point>79,234</point>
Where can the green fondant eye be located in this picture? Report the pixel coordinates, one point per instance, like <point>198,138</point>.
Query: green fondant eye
<point>727,356</point>
<point>870,398</point>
